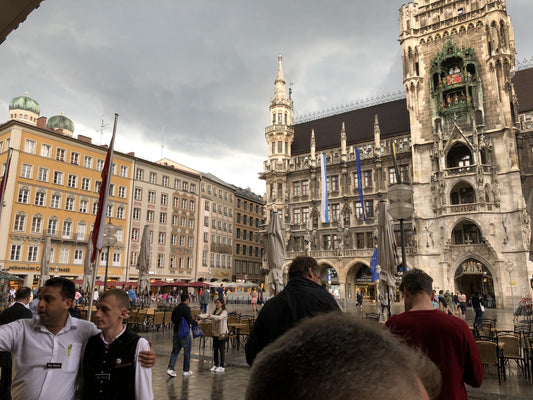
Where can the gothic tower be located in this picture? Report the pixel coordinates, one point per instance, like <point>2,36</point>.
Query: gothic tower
<point>279,137</point>
<point>458,61</point>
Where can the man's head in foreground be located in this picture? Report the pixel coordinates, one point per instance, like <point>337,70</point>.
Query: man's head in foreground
<point>55,299</point>
<point>306,267</point>
<point>335,356</point>
<point>112,309</point>
<point>416,285</point>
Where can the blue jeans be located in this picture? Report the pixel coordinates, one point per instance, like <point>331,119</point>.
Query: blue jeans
<point>177,344</point>
<point>203,308</point>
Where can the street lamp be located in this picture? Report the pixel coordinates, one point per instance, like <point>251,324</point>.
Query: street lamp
<point>109,241</point>
<point>401,208</point>
<point>510,270</point>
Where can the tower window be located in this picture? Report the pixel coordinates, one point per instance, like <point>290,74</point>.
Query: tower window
<point>280,120</point>
<point>460,11</point>
<point>280,147</point>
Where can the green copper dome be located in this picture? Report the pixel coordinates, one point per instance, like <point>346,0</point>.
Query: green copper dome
<point>25,103</point>
<point>60,122</point>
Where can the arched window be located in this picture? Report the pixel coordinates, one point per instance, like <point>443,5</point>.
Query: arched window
<point>459,156</point>
<point>462,193</point>
<point>466,232</point>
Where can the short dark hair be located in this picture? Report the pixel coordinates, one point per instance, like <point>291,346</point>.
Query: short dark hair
<point>68,290</point>
<point>300,266</point>
<point>184,297</point>
<point>417,281</point>
<point>347,351</point>
<point>121,296</point>
<point>22,293</point>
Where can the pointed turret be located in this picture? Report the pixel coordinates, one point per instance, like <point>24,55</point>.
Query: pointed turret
<point>343,143</point>
<point>280,92</point>
<point>377,133</point>
<point>313,148</point>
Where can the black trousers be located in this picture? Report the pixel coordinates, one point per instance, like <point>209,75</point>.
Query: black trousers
<point>219,346</point>
<point>5,384</point>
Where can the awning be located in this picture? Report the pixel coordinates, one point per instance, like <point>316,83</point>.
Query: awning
<point>4,275</point>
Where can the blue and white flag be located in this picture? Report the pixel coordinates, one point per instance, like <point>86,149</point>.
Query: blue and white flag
<point>374,266</point>
<point>324,214</point>
<point>360,181</point>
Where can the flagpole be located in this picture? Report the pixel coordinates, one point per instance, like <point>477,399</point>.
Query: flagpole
<point>93,281</point>
<point>3,185</point>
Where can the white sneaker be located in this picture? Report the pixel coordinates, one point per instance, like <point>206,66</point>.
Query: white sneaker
<point>213,368</point>
<point>171,373</point>
<point>187,373</point>
<point>219,369</point>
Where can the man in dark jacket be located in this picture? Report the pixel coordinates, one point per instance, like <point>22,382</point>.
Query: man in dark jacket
<point>18,310</point>
<point>181,310</point>
<point>302,297</point>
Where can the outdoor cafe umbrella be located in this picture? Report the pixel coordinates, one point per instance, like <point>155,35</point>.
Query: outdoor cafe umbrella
<point>87,282</point>
<point>275,253</point>
<point>45,261</point>
<point>143,262</point>
<point>387,256</point>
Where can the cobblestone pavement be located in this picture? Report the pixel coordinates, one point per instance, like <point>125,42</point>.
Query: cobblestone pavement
<point>231,384</point>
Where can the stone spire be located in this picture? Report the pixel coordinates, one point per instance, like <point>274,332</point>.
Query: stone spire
<point>377,132</point>
<point>343,143</point>
<point>280,92</point>
<point>313,147</point>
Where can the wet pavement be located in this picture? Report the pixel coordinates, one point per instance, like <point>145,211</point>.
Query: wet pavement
<point>232,383</point>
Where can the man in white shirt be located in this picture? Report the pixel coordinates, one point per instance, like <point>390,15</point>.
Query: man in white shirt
<point>48,350</point>
<point>110,363</point>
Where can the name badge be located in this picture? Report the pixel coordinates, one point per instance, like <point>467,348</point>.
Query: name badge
<point>102,378</point>
<point>53,365</point>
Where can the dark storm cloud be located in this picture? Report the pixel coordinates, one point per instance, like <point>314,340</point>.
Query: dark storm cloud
<point>199,75</point>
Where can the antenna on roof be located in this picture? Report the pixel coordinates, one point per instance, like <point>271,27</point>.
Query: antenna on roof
<point>101,130</point>
<point>162,140</point>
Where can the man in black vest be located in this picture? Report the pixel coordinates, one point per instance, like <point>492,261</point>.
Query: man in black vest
<point>18,310</point>
<point>110,363</point>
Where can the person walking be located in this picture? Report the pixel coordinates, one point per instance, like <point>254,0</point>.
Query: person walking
<point>254,295</point>
<point>359,298</point>
<point>133,296</point>
<point>182,310</point>
<point>204,300</point>
<point>477,305</point>
<point>220,328</point>
<point>462,304</point>
<point>18,310</point>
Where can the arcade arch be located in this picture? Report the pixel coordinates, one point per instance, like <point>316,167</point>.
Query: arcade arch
<point>330,278</point>
<point>473,276</point>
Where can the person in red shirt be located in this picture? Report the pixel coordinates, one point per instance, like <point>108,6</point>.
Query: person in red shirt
<point>446,339</point>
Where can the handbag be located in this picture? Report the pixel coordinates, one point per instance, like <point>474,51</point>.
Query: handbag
<point>197,331</point>
<point>223,336</point>
<point>482,308</point>
<point>183,329</point>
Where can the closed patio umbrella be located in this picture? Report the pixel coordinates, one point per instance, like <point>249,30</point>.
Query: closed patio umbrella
<point>143,263</point>
<point>387,256</point>
<point>275,253</point>
<point>45,261</point>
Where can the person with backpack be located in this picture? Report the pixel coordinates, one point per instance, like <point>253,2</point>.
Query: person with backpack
<point>182,320</point>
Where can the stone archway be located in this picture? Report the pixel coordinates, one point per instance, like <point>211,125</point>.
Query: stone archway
<point>359,277</point>
<point>473,276</point>
<point>330,278</point>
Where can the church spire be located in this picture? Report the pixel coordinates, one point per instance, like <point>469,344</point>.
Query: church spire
<point>280,93</point>
<point>377,132</point>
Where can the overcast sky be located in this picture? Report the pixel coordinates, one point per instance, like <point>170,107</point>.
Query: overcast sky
<point>197,76</point>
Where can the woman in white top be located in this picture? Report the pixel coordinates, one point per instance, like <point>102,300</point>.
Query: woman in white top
<point>220,327</point>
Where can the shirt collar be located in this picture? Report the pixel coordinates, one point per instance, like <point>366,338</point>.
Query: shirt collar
<point>70,324</point>
<point>115,338</point>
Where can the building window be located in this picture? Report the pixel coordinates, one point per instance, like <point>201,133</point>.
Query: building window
<point>36,224</point>
<point>75,158</point>
<point>138,194</point>
<point>174,220</point>
<point>46,150</point>
<point>60,155</point>
<point>109,212</point>
<point>333,183</point>
<point>120,212</point>
<point>184,204</point>
<point>369,208</point>
<point>185,186</point>
<point>26,171</point>
<point>55,201</point>
<point>139,174</point>
<point>177,184</point>
<point>72,181</point>
<point>84,206</point>
<point>78,256</point>
<point>165,181</point>
<point>163,218</point>
<point>23,196</point>
<point>69,204</point>
<point>52,226</point>
<point>182,241</point>
<point>192,204</point>
<point>100,165</point>
<point>58,177</point>
<point>15,252</point>
<point>191,223</point>
<point>360,240</point>
<point>150,216</point>
<point>162,237</point>
<point>296,189</point>
<point>43,174</point>
<point>367,175</point>
<point>136,213</point>
<point>20,221</point>
<point>335,212</point>
<point>296,216</point>
<point>135,234</point>
<point>164,198</point>
<point>183,222</point>
<point>67,229</point>
<point>305,188</point>
<point>151,197</point>
<point>123,171</point>
<point>122,192</point>
<point>153,177</point>
<point>88,162</point>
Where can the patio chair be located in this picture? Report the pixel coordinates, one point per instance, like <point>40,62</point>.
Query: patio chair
<point>512,350</point>
<point>491,355</point>
<point>372,316</point>
<point>159,317</point>
<point>167,320</point>
<point>207,329</point>
<point>141,319</point>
